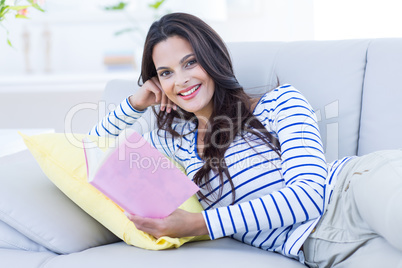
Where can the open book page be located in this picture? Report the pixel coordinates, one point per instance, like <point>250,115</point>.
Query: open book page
<point>140,179</point>
<point>93,157</point>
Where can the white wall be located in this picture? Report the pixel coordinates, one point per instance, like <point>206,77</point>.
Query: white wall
<point>41,79</point>
<point>355,19</point>
<point>81,33</point>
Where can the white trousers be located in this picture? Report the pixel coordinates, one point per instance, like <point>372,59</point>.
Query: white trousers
<point>362,226</point>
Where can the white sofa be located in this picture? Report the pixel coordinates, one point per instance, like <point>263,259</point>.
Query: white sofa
<point>353,86</point>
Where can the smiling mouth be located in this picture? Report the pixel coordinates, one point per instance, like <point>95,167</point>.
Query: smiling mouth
<point>190,91</point>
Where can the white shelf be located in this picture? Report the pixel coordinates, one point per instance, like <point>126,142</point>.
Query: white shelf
<point>60,82</point>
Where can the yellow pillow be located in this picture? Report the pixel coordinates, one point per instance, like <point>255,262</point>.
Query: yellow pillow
<point>62,159</point>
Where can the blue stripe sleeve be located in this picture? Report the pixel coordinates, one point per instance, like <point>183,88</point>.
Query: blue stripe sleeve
<point>117,120</point>
<point>303,168</point>
<point>220,221</point>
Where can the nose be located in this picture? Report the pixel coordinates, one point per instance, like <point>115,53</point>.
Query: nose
<point>181,79</point>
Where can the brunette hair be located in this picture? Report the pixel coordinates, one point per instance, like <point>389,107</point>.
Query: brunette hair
<point>232,113</point>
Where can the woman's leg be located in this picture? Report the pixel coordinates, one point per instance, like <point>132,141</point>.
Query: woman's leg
<point>377,190</point>
<point>373,254</point>
<point>362,224</point>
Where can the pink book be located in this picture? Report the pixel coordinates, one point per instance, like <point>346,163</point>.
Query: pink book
<point>137,177</point>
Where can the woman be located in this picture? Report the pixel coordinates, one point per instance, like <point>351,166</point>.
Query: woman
<point>259,162</point>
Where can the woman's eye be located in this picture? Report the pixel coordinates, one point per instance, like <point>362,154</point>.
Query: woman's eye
<point>191,62</point>
<point>165,73</point>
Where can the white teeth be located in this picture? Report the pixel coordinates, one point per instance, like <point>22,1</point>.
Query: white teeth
<point>190,91</point>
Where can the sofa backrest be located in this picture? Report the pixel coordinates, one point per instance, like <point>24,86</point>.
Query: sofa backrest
<point>381,119</point>
<point>332,76</point>
<point>329,73</point>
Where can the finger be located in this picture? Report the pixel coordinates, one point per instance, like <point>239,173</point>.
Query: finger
<point>164,102</point>
<point>155,80</point>
<point>131,217</point>
<point>156,91</point>
<point>146,225</point>
<point>164,99</point>
<point>171,105</point>
<point>141,221</point>
<point>138,221</point>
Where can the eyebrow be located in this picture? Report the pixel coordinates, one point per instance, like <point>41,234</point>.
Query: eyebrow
<point>181,61</point>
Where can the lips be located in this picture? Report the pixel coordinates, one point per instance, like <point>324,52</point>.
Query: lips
<point>189,91</point>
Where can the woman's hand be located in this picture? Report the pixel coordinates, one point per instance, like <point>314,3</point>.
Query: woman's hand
<point>178,224</point>
<point>151,93</point>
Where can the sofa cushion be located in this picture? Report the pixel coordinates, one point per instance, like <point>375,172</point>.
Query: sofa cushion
<point>25,259</point>
<point>62,159</point>
<point>12,239</point>
<point>254,67</point>
<point>381,121</point>
<point>330,75</point>
<point>224,252</point>
<point>33,206</point>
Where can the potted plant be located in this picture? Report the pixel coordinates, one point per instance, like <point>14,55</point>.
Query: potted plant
<point>17,9</point>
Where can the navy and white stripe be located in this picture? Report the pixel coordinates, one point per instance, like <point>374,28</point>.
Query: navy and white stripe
<point>278,200</point>
<point>122,117</point>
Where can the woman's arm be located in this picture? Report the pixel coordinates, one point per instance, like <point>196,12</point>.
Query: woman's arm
<point>116,121</point>
<point>304,171</point>
<point>178,224</point>
<point>303,168</point>
<point>132,108</point>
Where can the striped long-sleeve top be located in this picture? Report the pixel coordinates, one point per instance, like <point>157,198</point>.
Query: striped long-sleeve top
<point>278,200</point>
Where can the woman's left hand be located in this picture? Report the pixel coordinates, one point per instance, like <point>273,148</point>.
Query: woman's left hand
<point>178,224</point>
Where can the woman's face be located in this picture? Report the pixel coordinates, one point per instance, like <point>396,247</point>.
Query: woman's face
<point>182,78</point>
